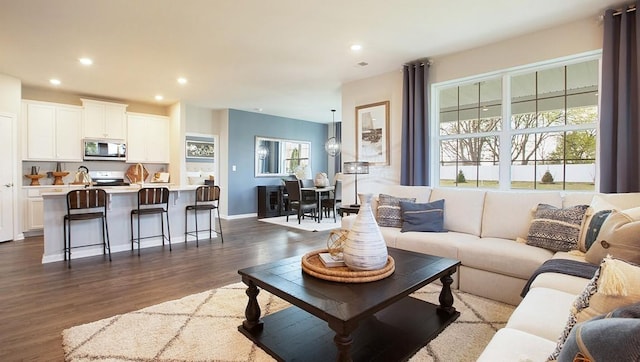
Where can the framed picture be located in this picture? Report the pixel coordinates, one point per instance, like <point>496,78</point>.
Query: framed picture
<point>200,150</point>
<point>372,133</point>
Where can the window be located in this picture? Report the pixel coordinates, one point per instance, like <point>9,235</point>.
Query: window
<point>532,128</point>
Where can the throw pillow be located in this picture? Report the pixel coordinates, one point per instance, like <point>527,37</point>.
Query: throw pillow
<point>614,285</point>
<point>389,213</point>
<point>592,230</point>
<point>613,336</point>
<point>597,204</point>
<point>619,237</point>
<point>556,229</point>
<point>422,217</point>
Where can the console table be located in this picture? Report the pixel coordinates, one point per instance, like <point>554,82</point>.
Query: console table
<point>270,201</point>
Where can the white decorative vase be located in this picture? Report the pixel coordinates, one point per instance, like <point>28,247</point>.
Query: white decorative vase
<point>365,248</point>
<point>321,180</point>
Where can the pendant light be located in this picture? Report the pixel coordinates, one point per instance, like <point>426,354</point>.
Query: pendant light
<point>332,146</point>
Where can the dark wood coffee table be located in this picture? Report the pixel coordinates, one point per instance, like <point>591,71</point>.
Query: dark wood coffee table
<point>375,321</point>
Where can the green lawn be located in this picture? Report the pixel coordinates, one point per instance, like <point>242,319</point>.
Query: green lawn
<point>522,185</point>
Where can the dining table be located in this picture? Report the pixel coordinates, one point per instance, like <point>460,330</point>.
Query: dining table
<point>319,191</point>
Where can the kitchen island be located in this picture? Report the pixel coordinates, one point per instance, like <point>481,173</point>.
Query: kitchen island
<point>120,201</point>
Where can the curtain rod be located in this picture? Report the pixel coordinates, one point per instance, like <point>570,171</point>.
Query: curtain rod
<point>630,9</point>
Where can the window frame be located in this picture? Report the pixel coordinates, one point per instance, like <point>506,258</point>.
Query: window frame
<point>505,133</point>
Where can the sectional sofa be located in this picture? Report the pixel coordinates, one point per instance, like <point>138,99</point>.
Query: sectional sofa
<point>486,230</point>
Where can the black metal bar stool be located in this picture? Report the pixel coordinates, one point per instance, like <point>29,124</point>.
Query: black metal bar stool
<point>82,205</point>
<point>208,199</point>
<point>152,201</point>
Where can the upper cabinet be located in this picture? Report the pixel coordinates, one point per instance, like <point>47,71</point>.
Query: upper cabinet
<point>147,138</point>
<point>52,131</point>
<point>104,120</point>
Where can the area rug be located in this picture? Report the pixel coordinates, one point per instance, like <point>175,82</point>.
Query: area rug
<point>307,224</point>
<point>203,327</point>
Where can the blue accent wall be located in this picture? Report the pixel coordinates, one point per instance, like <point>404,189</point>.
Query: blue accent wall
<point>243,129</point>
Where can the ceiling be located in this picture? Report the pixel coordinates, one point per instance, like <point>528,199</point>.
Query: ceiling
<point>282,57</point>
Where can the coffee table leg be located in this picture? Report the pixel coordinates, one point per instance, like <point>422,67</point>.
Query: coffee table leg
<point>446,297</point>
<point>252,323</point>
<point>343,343</point>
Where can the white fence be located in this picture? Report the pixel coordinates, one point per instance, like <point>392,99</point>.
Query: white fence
<point>573,173</point>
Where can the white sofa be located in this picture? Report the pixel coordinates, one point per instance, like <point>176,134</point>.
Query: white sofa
<point>483,226</point>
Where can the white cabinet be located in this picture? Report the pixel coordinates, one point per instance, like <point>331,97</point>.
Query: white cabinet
<point>104,120</point>
<point>53,131</point>
<point>34,207</point>
<point>147,138</point>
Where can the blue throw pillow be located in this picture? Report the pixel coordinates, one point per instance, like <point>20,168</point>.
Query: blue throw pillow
<point>422,217</point>
<point>611,337</point>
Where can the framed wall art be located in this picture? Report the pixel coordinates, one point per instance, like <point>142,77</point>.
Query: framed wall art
<point>200,150</point>
<point>372,133</point>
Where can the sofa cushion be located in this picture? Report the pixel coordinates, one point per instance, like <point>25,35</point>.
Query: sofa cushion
<point>618,237</point>
<point>503,256</point>
<point>576,198</point>
<point>507,214</point>
<point>558,281</point>
<point>388,212</point>
<point>426,217</point>
<point>543,312</point>
<point>556,229</point>
<point>390,235</point>
<point>510,344</point>
<point>440,244</point>
<point>463,210</point>
<point>621,201</point>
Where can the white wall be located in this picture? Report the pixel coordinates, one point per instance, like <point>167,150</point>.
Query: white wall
<point>571,38</point>
<point>386,87</point>
<point>10,94</point>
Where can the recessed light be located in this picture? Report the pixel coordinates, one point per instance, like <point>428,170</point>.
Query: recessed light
<point>182,80</point>
<point>159,97</point>
<point>356,47</point>
<point>85,61</point>
<point>55,81</point>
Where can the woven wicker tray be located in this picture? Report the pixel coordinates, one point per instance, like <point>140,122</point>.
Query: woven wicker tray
<point>312,265</point>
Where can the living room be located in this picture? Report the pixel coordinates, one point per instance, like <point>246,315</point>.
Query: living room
<point>560,41</point>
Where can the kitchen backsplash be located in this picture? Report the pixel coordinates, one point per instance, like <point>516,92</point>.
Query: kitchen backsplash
<point>45,168</point>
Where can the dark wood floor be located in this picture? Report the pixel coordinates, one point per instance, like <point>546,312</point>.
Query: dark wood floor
<point>38,301</point>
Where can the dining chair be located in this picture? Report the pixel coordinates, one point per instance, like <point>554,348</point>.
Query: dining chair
<point>333,203</point>
<point>297,202</point>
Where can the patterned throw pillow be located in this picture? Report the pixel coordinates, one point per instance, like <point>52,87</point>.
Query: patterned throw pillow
<point>614,285</point>
<point>556,229</point>
<point>389,213</point>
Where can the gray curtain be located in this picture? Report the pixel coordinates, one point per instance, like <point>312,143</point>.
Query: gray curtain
<point>619,112</point>
<point>414,168</point>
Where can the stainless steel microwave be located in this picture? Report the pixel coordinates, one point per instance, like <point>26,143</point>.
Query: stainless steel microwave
<point>104,150</point>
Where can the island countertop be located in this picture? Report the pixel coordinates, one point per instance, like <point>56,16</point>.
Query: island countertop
<point>120,201</point>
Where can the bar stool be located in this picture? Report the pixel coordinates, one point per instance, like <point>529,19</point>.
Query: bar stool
<point>151,201</point>
<point>208,199</point>
<point>86,204</point>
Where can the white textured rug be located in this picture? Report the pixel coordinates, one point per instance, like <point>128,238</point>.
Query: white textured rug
<point>307,224</point>
<point>203,327</point>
